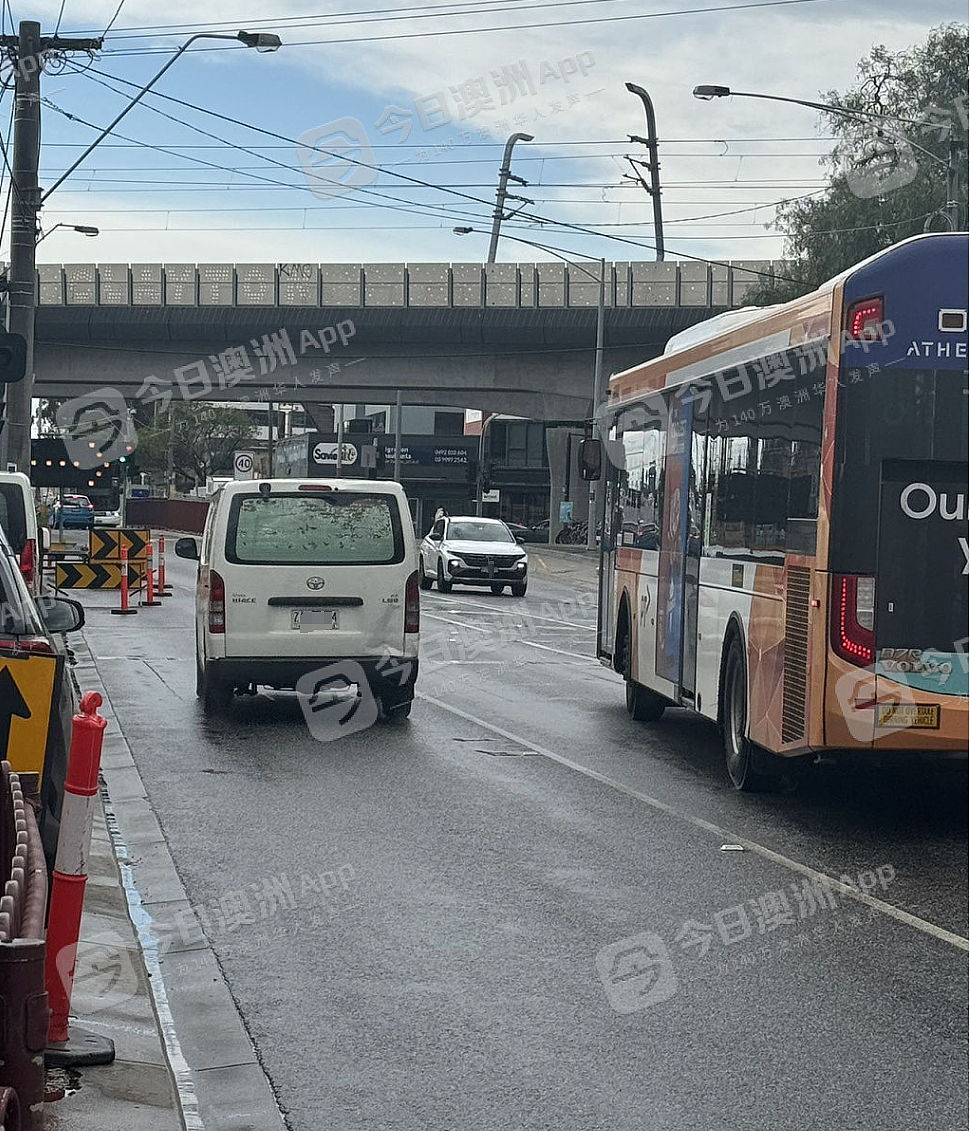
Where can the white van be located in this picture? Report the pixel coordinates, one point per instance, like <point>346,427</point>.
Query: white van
<point>298,575</point>
<point>18,518</point>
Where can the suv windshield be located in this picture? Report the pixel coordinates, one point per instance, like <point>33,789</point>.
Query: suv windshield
<point>345,528</point>
<point>479,532</point>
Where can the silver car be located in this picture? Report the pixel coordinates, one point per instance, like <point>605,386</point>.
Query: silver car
<point>473,551</point>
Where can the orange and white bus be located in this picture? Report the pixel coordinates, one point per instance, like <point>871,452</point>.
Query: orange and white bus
<point>784,543</point>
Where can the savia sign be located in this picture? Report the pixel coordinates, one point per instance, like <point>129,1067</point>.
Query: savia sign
<point>326,452</point>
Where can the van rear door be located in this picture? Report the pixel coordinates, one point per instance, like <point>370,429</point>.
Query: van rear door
<point>313,572</point>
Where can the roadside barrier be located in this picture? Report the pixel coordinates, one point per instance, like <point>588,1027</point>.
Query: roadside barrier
<point>23,999</point>
<point>124,610</point>
<point>70,877</point>
<point>150,599</point>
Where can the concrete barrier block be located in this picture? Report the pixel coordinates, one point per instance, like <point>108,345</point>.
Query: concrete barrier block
<point>746,274</point>
<point>114,293</point>
<point>428,284</point>
<point>81,273</point>
<point>146,294</point>
<point>180,284</point>
<point>528,285</point>
<point>51,294</point>
<point>501,284</point>
<point>112,273</point>
<point>695,284</point>
<point>82,294</point>
<point>299,284</point>
<point>622,285</point>
<point>467,284</point>
<point>384,284</point>
<point>653,284</point>
<point>720,285</point>
<point>48,272</point>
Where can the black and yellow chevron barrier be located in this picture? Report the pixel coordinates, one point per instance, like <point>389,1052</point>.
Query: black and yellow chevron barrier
<point>96,575</point>
<point>106,545</point>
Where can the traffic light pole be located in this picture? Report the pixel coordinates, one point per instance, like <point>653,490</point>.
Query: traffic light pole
<point>28,48</point>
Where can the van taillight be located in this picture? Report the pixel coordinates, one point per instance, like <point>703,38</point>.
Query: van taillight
<point>28,561</point>
<point>412,605</point>
<point>853,618</point>
<point>217,602</point>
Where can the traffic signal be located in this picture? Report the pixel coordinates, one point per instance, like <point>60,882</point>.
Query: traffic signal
<point>13,357</point>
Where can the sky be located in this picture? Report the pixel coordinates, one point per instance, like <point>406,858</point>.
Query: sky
<point>251,165</point>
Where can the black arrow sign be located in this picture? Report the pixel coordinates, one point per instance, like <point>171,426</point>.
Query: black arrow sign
<point>12,705</point>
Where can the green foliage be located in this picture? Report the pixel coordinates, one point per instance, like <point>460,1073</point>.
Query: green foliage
<point>199,438</point>
<point>829,232</point>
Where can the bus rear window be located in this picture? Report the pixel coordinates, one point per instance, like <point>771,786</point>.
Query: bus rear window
<point>339,528</point>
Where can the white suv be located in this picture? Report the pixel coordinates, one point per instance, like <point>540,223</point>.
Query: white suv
<point>473,551</point>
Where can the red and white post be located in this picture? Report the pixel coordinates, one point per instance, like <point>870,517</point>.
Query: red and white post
<point>150,598</point>
<point>71,862</point>
<point>124,610</point>
<point>164,589</point>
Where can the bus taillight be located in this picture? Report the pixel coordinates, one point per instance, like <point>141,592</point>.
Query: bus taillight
<point>853,618</point>
<point>863,320</point>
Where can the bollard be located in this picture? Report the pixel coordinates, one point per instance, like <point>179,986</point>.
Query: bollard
<point>150,598</point>
<point>164,589</point>
<point>124,610</point>
<point>70,877</point>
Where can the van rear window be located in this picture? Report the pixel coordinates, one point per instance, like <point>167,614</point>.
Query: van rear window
<point>12,517</point>
<point>337,528</point>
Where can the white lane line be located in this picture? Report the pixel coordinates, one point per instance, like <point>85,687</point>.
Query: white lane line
<point>526,643</point>
<point>509,612</point>
<point>723,834</point>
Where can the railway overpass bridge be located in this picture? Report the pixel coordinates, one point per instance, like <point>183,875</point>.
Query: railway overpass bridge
<point>503,337</point>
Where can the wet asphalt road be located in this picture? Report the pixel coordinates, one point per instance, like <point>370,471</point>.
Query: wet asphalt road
<point>462,963</point>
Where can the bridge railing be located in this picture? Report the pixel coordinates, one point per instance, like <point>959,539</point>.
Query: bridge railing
<point>400,285</point>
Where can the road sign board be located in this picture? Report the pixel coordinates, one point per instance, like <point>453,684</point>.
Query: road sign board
<point>26,695</point>
<point>243,465</point>
<point>139,492</point>
<point>106,545</point>
<point>96,575</point>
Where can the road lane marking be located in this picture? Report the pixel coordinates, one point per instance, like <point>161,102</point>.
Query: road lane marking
<point>724,835</point>
<point>527,643</point>
<point>509,612</point>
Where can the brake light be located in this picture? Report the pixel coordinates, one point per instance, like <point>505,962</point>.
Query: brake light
<point>412,604</point>
<point>217,603</point>
<point>33,644</point>
<point>863,320</point>
<point>28,560</point>
<point>853,618</point>
<point>315,487</point>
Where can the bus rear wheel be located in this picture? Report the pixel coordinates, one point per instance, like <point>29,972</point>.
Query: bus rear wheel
<point>642,704</point>
<point>740,753</point>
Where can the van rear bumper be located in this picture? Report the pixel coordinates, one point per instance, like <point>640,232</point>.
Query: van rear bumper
<point>382,674</point>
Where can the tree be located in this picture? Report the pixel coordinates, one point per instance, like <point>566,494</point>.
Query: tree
<point>201,437</point>
<point>888,178</point>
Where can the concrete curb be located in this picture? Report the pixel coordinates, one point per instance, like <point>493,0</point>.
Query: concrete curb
<point>219,1081</point>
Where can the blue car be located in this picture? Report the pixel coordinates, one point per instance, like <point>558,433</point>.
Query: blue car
<point>73,511</point>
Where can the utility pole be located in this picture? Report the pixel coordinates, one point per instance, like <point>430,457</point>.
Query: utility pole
<point>397,438</point>
<point>26,50</point>
<point>505,175</point>
<point>952,181</point>
<point>651,142</point>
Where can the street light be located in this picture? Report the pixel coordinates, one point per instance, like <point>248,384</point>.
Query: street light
<point>951,209</point>
<point>262,41</point>
<point>594,488</point>
<point>84,229</point>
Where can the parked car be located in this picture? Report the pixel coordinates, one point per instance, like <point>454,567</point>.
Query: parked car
<point>296,576</point>
<point>18,519</point>
<point>473,551</point>
<point>107,518</point>
<point>73,511</point>
<point>36,627</point>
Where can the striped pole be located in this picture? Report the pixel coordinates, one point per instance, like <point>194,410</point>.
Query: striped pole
<point>124,611</point>
<point>150,598</point>
<point>71,862</point>
<point>164,590</point>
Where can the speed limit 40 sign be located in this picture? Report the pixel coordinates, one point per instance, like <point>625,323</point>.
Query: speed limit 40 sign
<point>243,465</point>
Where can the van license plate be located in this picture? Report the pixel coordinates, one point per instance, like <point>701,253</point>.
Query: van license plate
<point>313,620</point>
